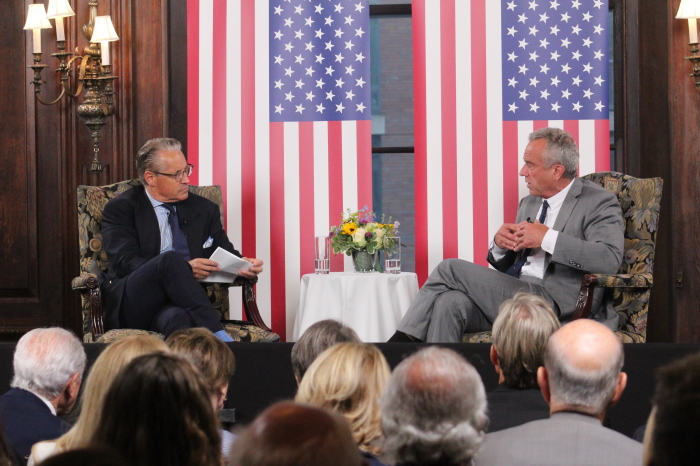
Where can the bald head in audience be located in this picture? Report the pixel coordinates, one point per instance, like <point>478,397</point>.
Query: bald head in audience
<point>582,369</point>
<point>288,434</point>
<point>433,409</point>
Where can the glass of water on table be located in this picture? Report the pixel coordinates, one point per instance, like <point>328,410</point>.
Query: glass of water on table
<point>392,254</point>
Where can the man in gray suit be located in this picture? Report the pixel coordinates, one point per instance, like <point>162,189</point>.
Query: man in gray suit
<point>581,377</point>
<point>565,228</point>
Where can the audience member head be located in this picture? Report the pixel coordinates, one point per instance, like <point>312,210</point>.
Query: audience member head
<point>582,364</point>
<point>315,340</point>
<point>673,431</point>
<point>147,157</point>
<point>99,379</point>
<point>158,411</point>
<point>86,457</point>
<point>349,378</point>
<point>213,358</point>
<point>433,409</point>
<point>560,150</point>
<point>50,362</point>
<point>290,434</point>
<point>520,333</point>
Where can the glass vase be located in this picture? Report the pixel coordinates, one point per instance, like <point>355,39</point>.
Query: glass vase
<point>363,261</point>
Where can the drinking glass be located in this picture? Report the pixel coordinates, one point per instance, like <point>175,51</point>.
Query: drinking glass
<point>392,254</point>
<point>322,255</point>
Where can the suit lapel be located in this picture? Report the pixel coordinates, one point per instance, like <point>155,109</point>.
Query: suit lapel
<point>568,205</point>
<point>147,226</point>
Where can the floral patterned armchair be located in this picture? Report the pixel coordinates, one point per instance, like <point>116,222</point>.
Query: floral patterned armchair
<point>93,260</point>
<point>630,288</point>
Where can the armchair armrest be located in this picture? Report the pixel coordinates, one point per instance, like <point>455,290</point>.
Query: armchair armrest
<point>591,281</point>
<point>87,282</point>
<point>249,303</point>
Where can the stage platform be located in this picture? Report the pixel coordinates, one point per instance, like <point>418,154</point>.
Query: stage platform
<point>264,374</point>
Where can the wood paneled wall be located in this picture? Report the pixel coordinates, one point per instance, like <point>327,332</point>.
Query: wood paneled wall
<point>46,151</point>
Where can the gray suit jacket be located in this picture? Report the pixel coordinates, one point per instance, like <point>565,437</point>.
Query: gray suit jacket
<point>591,240</point>
<point>564,439</point>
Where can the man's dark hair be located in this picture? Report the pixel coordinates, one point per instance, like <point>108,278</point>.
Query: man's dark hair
<point>675,430</point>
<point>315,340</point>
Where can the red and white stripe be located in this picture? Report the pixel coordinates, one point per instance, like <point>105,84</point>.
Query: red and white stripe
<point>283,183</point>
<point>467,158</point>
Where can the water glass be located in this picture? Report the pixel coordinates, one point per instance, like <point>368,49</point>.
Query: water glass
<point>322,255</point>
<point>392,254</point>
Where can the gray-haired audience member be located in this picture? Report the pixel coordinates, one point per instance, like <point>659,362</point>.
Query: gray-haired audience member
<point>291,434</point>
<point>433,410</point>
<point>315,340</point>
<point>673,431</point>
<point>48,370</point>
<point>520,333</point>
<point>581,377</point>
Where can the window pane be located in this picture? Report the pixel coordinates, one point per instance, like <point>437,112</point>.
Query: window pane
<point>392,185</point>
<point>392,81</point>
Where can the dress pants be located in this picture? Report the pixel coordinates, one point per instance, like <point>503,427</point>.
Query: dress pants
<point>461,297</point>
<point>163,296</point>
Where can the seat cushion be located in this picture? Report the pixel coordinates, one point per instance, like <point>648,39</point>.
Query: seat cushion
<point>238,330</point>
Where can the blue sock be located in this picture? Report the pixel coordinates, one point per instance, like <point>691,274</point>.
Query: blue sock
<point>223,336</point>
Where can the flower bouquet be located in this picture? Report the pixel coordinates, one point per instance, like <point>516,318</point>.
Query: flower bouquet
<point>360,236</point>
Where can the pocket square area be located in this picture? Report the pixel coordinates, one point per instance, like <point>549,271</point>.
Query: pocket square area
<point>208,242</point>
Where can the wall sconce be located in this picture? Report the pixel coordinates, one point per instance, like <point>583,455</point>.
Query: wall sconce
<point>690,10</point>
<point>94,71</point>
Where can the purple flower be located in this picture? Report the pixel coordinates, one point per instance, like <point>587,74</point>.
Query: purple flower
<point>368,235</point>
<point>364,221</point>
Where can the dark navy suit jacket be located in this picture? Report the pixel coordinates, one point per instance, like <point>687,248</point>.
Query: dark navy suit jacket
<point>27,420</point>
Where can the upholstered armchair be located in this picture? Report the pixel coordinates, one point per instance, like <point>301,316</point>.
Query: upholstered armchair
<point>630,287</point>
<point>93,261</point>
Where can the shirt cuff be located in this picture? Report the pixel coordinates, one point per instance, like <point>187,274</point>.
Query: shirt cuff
<point>496,252</point>
<point>549,241</point>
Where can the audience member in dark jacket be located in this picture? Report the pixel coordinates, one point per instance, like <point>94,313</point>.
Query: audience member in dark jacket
<point>48,369</point>
<point>520,333</point>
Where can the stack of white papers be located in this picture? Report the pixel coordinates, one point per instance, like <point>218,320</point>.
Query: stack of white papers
<point>229,264</point>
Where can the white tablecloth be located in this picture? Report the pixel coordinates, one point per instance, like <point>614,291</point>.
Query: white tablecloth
<point>372,304</point>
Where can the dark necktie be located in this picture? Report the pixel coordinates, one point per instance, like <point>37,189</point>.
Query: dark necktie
<point>516,268</point>
<point>179,238</point>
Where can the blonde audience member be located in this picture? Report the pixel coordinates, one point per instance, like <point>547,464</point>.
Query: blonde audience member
<point>103,372</point>
<point>349,378</point>
<point>215,361</point>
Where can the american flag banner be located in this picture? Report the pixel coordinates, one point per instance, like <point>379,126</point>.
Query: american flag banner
<point>279,116</point>
<point>486,74</point>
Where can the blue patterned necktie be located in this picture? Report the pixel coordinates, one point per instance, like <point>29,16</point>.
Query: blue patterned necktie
<point>515,269</point>
<point>179,238</point>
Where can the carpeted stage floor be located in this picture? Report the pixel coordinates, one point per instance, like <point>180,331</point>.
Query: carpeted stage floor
<point>264,374</point>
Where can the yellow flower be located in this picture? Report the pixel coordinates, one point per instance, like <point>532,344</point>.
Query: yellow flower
<point>349,228</point>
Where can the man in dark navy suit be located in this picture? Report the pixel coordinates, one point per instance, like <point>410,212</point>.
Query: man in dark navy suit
<point>48,370</point>
<point>158,238</point>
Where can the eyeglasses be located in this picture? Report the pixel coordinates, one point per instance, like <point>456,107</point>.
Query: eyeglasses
<point>180,174</point>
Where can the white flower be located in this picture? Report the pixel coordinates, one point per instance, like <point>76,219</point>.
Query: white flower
<point>380,234</point>
<point>359,237</point>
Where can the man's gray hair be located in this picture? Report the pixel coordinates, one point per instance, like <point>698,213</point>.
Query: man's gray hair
<point>573,386</point>
<point>45,359</point>
<point>560,149</point>
<point>433,409</point>
<point>520,334</point>
<point>147,157</point>
<point>315,340</point>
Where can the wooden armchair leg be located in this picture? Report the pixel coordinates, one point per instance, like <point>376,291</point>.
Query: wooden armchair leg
<point>585,297</point>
